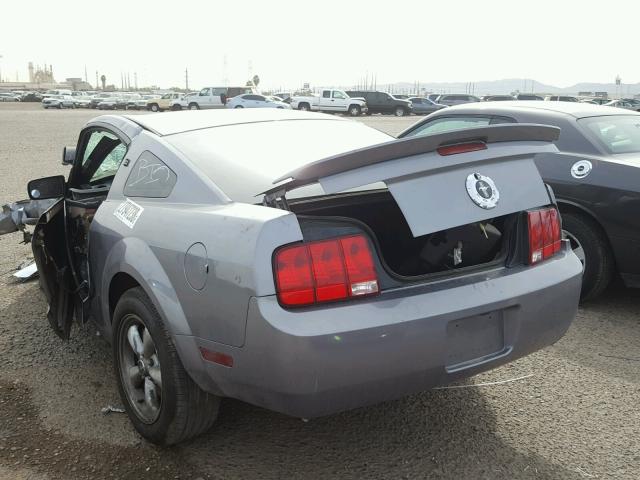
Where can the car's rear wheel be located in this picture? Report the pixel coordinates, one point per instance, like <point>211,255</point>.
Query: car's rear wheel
<point>163,403</point>
<point>399,112</point>
<point>354,110</point>
<point>154,107</point>
<point>590,245</point>
<point>194,106</point>
<point>304,107</point>
<point>238,106</point>
<point>176,108</point>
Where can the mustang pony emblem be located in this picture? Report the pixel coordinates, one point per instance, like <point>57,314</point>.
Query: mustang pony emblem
<point>482,191</point>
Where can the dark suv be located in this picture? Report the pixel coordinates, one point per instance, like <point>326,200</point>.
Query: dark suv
<point>382,102</point>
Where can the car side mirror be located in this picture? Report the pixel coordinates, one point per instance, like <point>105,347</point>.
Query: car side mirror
<point>46,187</point>
<point>68,155</point>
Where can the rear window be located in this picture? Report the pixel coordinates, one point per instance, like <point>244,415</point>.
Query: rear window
<point>614,133</point>
<point>460,122</point>
<point>243,160</point>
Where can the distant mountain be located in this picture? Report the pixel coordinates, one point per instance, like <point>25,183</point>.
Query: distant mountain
<point>507,86</point>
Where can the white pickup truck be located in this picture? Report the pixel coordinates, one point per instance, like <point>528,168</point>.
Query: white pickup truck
<point>330,101</point>
<point>215,97</point>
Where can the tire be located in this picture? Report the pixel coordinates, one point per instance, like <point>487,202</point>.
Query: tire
<point>154,107</point>
<point>354,110</point>
<point>304,107</point>
<point>399,112</point>
<point>59,106</point>
<point>176,108</point>
<point>585,234</point>
<point>184,410</point>
<point>238,106</point>
<point>194,106</point>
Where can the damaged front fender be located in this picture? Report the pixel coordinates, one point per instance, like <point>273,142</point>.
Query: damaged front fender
<point>15,216</point>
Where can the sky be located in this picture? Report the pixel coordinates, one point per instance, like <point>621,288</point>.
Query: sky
<point>328,43</point>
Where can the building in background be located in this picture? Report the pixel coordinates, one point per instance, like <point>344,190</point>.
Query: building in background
<point>41,78</point>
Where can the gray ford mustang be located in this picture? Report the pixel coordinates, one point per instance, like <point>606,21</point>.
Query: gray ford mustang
<point>297,261</point>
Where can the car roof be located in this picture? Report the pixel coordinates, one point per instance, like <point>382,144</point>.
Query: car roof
<point>178,122</point>
<point>573,109</point>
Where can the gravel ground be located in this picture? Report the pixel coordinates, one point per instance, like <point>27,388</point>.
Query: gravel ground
<point>575,417</point>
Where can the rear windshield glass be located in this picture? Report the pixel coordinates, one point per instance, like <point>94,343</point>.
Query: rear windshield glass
<point>243,160</point>
<point>615,133</point>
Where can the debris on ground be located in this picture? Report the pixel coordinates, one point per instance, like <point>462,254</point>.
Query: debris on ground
<point>26,272</point>
<point>111,409</point>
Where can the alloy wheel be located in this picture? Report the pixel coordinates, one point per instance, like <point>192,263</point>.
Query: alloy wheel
<point>140,369</point>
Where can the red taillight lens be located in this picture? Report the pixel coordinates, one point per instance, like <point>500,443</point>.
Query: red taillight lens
<point>325,271</point>
<point>461,148</point>
<point>544,234</point>
<point>359,262</point>
<point>295,279</point>
<point>328,270</point>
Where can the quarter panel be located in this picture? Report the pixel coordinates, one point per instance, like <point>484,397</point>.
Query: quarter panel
<point>239,241</point>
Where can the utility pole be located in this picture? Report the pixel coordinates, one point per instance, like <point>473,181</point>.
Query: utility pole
<point>97,80</point>
<point>186,78</point>
<point>135,79</point>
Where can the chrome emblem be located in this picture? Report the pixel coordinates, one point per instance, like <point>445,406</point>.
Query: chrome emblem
<point>581,169</point>
<point>482,191</point>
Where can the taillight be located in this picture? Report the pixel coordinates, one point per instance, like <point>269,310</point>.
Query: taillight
<point>325,271</point>
<point>461,148</point>
<point>545,235</point>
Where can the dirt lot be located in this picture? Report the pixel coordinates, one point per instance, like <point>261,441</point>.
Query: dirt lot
<point>575,417</point>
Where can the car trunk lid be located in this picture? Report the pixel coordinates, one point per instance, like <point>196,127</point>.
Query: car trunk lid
<point>443,180</point>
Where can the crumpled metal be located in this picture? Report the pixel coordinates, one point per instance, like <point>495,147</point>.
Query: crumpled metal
<point>15,216</point>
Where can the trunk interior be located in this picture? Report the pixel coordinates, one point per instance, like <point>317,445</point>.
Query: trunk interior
<point>408,256</point>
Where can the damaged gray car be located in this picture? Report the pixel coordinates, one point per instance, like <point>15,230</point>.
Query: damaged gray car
<point>297,261</point>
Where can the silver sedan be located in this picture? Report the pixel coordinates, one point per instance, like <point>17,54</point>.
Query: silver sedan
<point>251,100</point>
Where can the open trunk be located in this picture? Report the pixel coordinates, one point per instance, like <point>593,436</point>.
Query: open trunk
<point>461,246</point>
<point>452,201</point>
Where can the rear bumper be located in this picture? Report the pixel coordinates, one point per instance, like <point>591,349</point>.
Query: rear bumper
<point>320,361</point>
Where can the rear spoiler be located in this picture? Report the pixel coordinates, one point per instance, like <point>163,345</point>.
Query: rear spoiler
<point>406,147</point>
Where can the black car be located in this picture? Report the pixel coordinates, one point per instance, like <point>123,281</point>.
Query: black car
<point>382,102</point>
<point>32,97</point>
<point>529,96</point>
<point>595,177</point>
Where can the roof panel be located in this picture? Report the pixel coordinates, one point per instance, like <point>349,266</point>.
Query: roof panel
<point>177,122</point>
